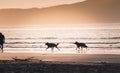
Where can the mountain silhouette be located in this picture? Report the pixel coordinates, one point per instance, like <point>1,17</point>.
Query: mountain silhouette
<point>89,11</point>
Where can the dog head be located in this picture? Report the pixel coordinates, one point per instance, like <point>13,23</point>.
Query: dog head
<point>75,42</point>
<point>46,43</point>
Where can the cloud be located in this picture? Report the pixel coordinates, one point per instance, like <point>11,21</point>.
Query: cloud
<point>34,3</point>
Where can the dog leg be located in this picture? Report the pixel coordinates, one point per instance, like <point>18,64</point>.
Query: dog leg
<point>76,49</point>
<point>47,48</point>
<point>58,48</point>
<point>82,51</point>
<point>52,49</point>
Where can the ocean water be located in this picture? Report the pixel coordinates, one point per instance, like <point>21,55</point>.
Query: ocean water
<point>33,40</point>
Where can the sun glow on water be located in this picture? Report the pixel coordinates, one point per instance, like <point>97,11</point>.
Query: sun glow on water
<point>33,39</point>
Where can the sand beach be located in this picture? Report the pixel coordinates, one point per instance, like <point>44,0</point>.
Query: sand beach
<point>110,58</point>
<point>60,63</point>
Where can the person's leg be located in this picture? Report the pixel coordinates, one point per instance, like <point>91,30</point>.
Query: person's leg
<point>2,48</point>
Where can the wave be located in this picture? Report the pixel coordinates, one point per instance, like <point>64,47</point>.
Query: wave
<point>59,38</point>
<point>37,46</point>
<point>62,42</point>
<point>38,42</point>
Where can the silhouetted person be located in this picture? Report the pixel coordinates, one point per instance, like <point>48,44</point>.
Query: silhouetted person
<point>2,41</point>
<point>80,46</point>
<point>52,46</point>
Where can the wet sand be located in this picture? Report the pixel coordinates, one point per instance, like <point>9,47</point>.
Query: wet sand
<point>60,63</point>
<point>78,58</point>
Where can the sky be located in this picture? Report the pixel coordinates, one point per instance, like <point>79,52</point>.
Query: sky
<point>60,13</point>
<point>34,3</point>
<point>26,4</point>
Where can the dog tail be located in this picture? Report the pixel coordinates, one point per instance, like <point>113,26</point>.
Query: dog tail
<point>57,44</point>
<point>86,46</point>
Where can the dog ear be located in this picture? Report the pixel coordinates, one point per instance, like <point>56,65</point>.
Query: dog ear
<point>46,43</point>
<point>75,42</point>
<point>57,43</point>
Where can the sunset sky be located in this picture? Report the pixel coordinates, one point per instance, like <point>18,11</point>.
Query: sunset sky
<point>59,13</point>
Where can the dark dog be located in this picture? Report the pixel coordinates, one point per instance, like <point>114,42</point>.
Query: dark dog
<point>80,45</point>
<point>52,46</point>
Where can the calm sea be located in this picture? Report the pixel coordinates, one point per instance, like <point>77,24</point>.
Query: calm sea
<point>33,40</point>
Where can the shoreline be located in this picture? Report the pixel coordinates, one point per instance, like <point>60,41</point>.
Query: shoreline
<point>108,58</point>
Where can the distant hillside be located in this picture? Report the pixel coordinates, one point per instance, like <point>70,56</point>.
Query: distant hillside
<point>90,11</point>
